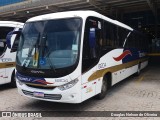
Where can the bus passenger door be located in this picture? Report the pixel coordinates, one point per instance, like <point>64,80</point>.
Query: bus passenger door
<point>90,57</point>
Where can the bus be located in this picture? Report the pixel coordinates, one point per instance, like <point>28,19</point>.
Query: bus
<point>7,56</point>
<point>72,56</point>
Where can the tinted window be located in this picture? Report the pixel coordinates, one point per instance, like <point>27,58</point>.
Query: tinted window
<point>114,36</point>
<point>3,33</point>
<point>91,47</point>
<point>136,40</point>
<point>50,44</point>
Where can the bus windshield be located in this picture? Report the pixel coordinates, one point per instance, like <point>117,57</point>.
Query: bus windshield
<point>49,44</point>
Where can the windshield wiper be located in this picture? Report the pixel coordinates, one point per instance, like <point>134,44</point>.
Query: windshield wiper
<point>44,46</point>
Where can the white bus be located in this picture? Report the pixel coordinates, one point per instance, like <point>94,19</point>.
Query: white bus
<point>7,56</point>
<point>72,56</point>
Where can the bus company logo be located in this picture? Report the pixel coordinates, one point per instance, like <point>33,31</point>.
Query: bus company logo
<point>41,81</point>
<point>123,55</point>
<point>26,79</point>
<point>6,59</point>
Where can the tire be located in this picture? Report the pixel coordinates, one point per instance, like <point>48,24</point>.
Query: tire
<point>13,80</point>
<point>138,70</point>
<point>103,89</point>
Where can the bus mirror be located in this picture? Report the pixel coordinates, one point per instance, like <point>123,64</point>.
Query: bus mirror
<point>8,39</point>
<point>16,32</point>
<point>92,42</point>
<point>9,36</point>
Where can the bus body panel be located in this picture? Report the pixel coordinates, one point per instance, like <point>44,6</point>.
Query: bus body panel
<point>107,64</point>
<point>119,62</point>
<point>72,95</point>
<point>2,75</point>
<point>88,88</point>
<point>7,58</point>
<point>9,72</point>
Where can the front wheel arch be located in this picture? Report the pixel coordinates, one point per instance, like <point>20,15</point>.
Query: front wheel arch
<point>106,84</point>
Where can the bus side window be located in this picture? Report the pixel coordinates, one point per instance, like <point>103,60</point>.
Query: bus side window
<point>111,37</point>
<point>107,36</point>
<point>129,41</point>
<point>122,34</point>
<point>3,33</point>
<point>91,43</point>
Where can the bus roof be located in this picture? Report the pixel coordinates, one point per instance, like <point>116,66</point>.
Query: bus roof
<point>83,14</point>
<point>10,24</point>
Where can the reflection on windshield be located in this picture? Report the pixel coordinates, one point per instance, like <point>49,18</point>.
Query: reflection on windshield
<point>49,44</point>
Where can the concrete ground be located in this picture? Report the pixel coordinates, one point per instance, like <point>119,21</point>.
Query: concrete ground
<point>140,93</point>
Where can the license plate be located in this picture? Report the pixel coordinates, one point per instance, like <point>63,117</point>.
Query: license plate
<point>38,94</point>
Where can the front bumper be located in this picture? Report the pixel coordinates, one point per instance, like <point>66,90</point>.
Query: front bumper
<point>71,95</point>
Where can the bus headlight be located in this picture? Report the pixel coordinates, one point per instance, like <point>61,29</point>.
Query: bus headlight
<point>68,85</point>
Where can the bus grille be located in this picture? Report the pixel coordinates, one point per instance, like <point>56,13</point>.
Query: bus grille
<point>46,96</point>
<point>41,87</point>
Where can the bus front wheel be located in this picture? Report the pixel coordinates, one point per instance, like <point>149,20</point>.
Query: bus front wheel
<point>103,89</point>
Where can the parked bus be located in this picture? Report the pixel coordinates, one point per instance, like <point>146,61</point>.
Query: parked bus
<point>7,57</point>
<point>72,56</point>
